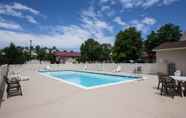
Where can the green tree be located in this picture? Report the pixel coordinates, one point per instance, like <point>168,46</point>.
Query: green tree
<point>41,54</point>
<point>105,52</point>
<point>2,58</point>
<point>90,51</point>
<point>14,55</point>
<point>37,48</point>
<point>127,46</point>
<point>169,32</point>
<point>166,33</point>
<point>46,54</point>
<point>151,42</point>
<point>54,48</point>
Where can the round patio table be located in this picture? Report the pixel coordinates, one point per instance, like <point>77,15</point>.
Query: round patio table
<point>179,78</point>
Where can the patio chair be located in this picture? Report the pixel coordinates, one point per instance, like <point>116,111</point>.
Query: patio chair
<point>13,87</point>
<point>47,68</point>
<point>138,69</point>
<point>118,69</point>
<point>169,86</point>
<point>85,67</point>
<point>184,91</point>
<point>177,73</point>
<point>161,78</point>
<point>181,88</point>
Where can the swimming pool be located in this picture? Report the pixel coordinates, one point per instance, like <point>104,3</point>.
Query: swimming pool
<point>88,80</point>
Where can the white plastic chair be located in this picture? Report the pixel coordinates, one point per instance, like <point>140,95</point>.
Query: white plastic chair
<point>118,69</point>
<point>85,67</point>
<point>177,73</point>
<point>48,67</point>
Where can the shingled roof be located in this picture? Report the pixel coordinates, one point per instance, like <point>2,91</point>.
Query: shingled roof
<point>171,45</point>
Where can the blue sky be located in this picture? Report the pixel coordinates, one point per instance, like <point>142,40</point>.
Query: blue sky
<point>67,23</point>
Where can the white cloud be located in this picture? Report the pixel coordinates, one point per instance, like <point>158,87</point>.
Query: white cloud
<point>19,10</point>
<point>10,12</point>
<point>149,3</point>
<point>104,1</point>
<point>90,12</point>
<point>105,8</point>
<point>72,37</point>
<point>94,25</point>
<point>31,19</point>
<point>22,39</point>
<point>144,24</point>
<point>167,2</point>
<point>149,21</point>
<point>139,25</point>
<point>96,28</point>
<point>16,8</point>
<point>112,2</point>
<point>119,21</point>
<point>139,3</point>
<point>9,25</point>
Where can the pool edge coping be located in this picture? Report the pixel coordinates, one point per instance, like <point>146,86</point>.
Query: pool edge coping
<point>90,88</point>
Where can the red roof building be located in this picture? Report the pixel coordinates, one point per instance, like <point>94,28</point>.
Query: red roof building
<point>67,54</point>
<point>66,57</point>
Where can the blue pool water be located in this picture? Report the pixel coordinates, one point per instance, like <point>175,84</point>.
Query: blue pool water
<point>87,80</point>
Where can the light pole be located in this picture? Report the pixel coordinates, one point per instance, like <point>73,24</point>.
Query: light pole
<point>30,49</point>
<point>3,57</point>
<point>111,57</point>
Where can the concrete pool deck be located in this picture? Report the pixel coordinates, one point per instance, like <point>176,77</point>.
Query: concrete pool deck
<point>48,98</point>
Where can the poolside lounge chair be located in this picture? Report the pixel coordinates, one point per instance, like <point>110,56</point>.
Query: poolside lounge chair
<point>13,87</point>
<point>2,88</point>
<point>85,67</point>
<point>23,78</point>
<point>18,76</point>
<point>48,67</point>
<point>118,69</point>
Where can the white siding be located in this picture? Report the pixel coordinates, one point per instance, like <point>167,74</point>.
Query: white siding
<point>173,56</point>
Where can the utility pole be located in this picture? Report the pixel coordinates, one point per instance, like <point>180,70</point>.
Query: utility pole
<point>30,49</point>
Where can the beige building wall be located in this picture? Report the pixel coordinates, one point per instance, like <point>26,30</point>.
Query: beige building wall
<point>70,60</point>
<point>173,56</point>
<point>67,60</point>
